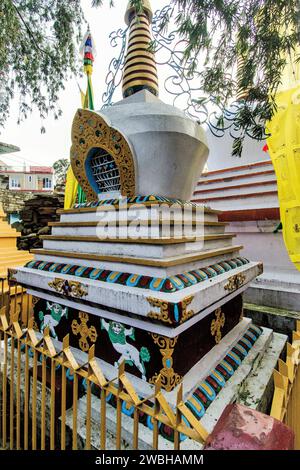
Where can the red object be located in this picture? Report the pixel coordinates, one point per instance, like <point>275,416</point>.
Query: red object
<point>265,148</point>
<point>267,213</point>
<point>241,428</point>
<point>89,55</point>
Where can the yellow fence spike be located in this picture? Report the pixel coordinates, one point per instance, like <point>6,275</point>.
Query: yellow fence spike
<point>296,353</point>
<point>31,333</point>
<point>157,385</point>
<point>287,372</point>
<point>282,367</point>
<point>49,343</point>
<point>121,369</point>
<point>296,336</point>
<point>180,394</point>
<point>17,329</point>
<point>129,389</point>
<point>93,364</point>
<point>289,350</point>
<point>91,353</point>
<point>68,353</point>
<point>193,421</point>
<point>166,408</point>
<point>278,379</point>
<point>298,326</point>
<point>277,408</point>
<point>3,319</point>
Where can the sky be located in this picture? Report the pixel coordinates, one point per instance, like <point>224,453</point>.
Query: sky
<point>45,149</point>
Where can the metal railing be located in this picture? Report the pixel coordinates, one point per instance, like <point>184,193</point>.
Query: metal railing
<point>40,404</point>
<point>286,399</point>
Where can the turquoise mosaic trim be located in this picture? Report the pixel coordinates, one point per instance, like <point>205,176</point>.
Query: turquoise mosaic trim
<point>207,391</point>
<point>204,394</point>
<point>135,200</point>
<point>169,284</point>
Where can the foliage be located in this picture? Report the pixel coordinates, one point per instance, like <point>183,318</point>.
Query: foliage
<point>60,168</point>
<point>39,51</point>
<point>263,34</point>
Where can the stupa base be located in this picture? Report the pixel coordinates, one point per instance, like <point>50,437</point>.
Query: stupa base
<point>168,353</point>
<point>249,382</point>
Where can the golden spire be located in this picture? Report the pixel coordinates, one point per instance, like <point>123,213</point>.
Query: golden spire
<point>140,67</point>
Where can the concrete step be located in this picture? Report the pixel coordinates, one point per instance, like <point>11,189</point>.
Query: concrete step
<point>150,249</point>
<point>244,179</point>
<point>209,228</point>
<point>248,201</point>
<point>237,189</point>
<point>264,167</point>
<point>209,215</point>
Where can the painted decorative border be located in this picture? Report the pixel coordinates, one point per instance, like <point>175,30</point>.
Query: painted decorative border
<point>89,131</point>
<point>136,200</point>
<point>207,391</point>
<point>167,285</point>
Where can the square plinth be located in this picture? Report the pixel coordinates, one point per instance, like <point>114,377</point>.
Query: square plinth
<point>147,355</point>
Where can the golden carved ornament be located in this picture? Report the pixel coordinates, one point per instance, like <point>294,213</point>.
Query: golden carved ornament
<point>12,275</point>
<point>68,288</point>
<point>163,314</point>
<point>90,130</point>
<point>217,324</point>
<point>168,377</point>
<point>84,331</point>
<point>186,314</point>
<point>234,282</point>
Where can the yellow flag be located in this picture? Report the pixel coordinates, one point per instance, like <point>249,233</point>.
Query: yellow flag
<point>71,189</point>
<point>284,149</point>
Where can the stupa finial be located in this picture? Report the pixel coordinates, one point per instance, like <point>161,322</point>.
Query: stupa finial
<point>140,67</point>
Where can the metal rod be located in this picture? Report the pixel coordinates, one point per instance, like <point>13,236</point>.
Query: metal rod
<point>18,394</point>
<point>26,397</point>
<point>11,387</point>
<point>34,400</point>
<point>43,404</point>
<point>63,407</point>
<point>75,400</point>
<point>103,420</point>
<point>52,405</point>
<point>4,394</point>
<point>88,414</point>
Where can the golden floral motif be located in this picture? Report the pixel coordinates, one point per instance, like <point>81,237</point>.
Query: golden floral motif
<point>69,288</point>
<point>90,131</point>
<point>234,282</point>
<point>217,324</point>
<point>84,331</point>
<point>163,314</point>
<point>186,314</point>
<point>169,378</point>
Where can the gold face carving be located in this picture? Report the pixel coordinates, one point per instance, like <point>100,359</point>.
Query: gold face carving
<point>91,131</point>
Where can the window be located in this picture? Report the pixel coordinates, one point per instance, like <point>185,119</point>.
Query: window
<point>29,179</point>
<point>47,183</point>
<point>105,171</point>
<point>15,183</point>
